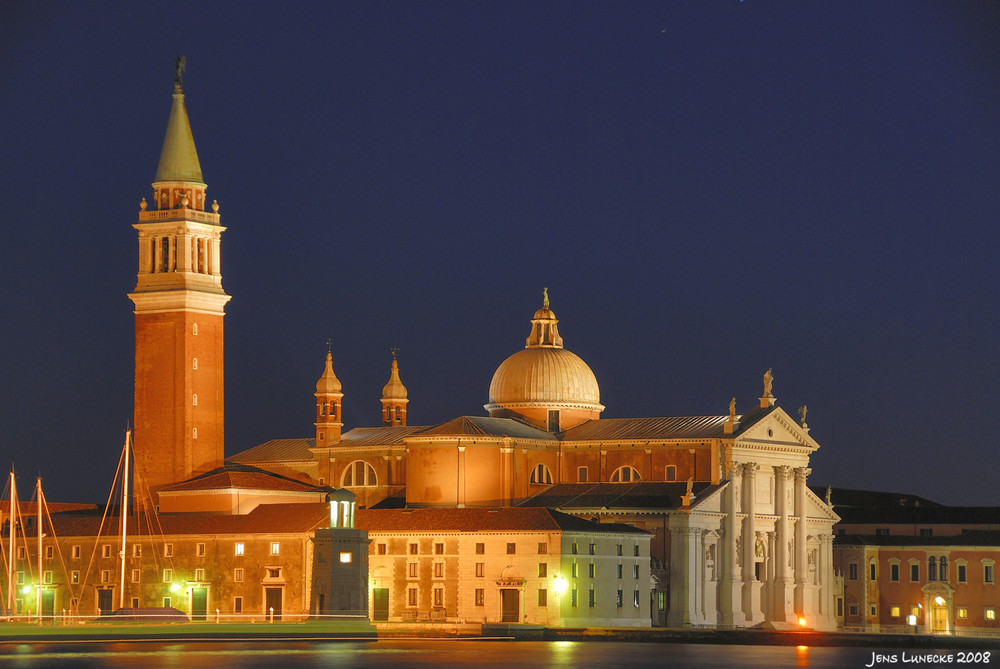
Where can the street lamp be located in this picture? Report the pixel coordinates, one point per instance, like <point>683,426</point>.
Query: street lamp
<point>560,585</point>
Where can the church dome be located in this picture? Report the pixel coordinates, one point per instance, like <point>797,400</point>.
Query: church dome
<point>545,378</point>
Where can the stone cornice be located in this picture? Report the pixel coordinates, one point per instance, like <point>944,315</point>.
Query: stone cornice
<point>161,301</point>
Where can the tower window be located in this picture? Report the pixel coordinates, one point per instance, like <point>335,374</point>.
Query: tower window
<point>194,328</point>
<point>194,399</point>
<point>541,475</point>
<point>194,433</point>
<point>165,254</point>
<point>194,363</point>
<point>625,475</point>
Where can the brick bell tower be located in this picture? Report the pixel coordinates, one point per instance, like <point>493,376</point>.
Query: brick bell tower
<point>179,307</point>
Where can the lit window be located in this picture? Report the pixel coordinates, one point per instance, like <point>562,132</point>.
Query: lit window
<point>963,613</point>
<point>625,475</point>
<point>541,475</point>
<point>991,614</point>
<point>359,473</point>
<point>894,611</point>
<point>345,557</point>
<point>275,548</point>
<point>239,548</point>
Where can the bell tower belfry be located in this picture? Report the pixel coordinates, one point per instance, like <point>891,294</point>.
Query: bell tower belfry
<point>179,309</point>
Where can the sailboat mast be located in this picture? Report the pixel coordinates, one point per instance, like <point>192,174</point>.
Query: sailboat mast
<point>128,438</point>
<point>10,553</point>
<point>38,590</point>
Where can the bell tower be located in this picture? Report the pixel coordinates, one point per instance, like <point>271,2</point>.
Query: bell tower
<point>179,309</point>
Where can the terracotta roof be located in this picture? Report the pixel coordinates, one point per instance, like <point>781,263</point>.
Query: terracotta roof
<point>682,427</point>
<point>488,427</point>
<point>639,495</point>
<point>380,436</point>
<point>248,478</point>
<point>277,450</point>
<point>265,519</point>
<point>510,519</point>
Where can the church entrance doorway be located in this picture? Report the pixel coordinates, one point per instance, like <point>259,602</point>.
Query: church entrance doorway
<point>939,616</point>
<point>510,606</point>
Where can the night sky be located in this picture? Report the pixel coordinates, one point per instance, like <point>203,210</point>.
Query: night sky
<point>707,189</point>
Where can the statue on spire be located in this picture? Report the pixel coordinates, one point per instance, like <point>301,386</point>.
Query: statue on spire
<point>179,66</point>
<point>545,297</point>
<point>768,380</point>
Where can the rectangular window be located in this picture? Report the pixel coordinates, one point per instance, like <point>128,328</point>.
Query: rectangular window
<point>136,550</point>
<point>661,600</point>
<point>871,571</point>
<point>439,570</point>
<point>581,474</point>
<point>619,571</point>
<point>619,599</point>
<point>619,550</point>
<point>438,549</point>
<point>963,613</point>
<point>874,611</point>
<point>438,596</point>
<point>592,568</point>
<point>480,569</point>
<point>543,569</point>
<point>543,597</point>
<point>575,570</point>
<point>914,573</point>
<point>990,614</point>
<point>915,611</point>
<point>591,601</point>
<point>135,602</point>
<point>76,553</point>
<point>414,549</point>
<point>275,548</point>
<point>75,577</point>
<point>411,570</point>
<point>635,598</point>
<point>346,557</point>
<point>894,611</point>
<point>21,553</point>
<point>200,550</point>
<point>593,549</point>
<point>927,531</point>
<point>411,596</point>
<point>135,575</point>
<point>635,571</point>
<point>480,549</point>
<point>635,550</point>
<point>238,605</point>
<point>47,577</point>
<point>168,575</point>
<point>106,550</point>
<point>543,548</point>
<point>105,576</point>
<point>166,602</point>
<point>881,531</point>
<point>48,552</point>
<point>511,548</point>
<point>238,575</point>
<point>381,550</point>
<point>168,550</point>
<point>575,549</point>
<point>987,573</point>
<point>894,573</point>
<point>239,548</point>
<point>480,597</point>
<point>199,575</point>
<point>574,597</point>
<point>961,573</point>
<point>853,608</point>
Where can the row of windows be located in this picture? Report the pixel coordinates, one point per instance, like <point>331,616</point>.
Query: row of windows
<point>895,611</point>
<point>413,548</point>
<point>168,575</point>
<point>542,595</point>
<point>76,551</point>
<point>937,570</point>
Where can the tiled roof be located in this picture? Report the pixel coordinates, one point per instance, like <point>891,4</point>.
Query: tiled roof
<point>265,519</point>
<point>682,427</point>
<point>277,450</point>
<point>488,427</point>
<point>379,436</point>
<point>974,539</point>
<point>506,519</point>
<point>639,495</point>
<point>242,478</point>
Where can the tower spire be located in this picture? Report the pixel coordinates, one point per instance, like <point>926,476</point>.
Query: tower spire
<point>394,397</point>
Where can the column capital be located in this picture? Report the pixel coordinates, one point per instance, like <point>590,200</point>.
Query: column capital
<point>782,472</point>
<point>801,473</point>
<point>750,469</point>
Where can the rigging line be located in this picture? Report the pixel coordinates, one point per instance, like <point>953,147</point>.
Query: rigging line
<point>55,542</point>
<point>97,537</point>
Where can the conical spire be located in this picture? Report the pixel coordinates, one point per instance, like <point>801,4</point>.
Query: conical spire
<point>179,159</point>
<point>328,382</point>
<point>394,397</point>
<point>394,389</point>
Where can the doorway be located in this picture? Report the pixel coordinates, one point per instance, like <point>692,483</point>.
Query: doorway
<point>105,600</point>
<point>48,604</point>
<point>510,606</point>
<point>380,612</point>
<point>199,603</point>
<point>272,600</point>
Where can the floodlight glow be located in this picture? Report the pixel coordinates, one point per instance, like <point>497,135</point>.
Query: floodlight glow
<point>560,585</point>
<point>174,587</point>
<point>802,621</point>
<point>939,600</point>
<point>26,589</point>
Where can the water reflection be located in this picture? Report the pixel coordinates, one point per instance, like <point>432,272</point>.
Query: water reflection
<point>422,653</point>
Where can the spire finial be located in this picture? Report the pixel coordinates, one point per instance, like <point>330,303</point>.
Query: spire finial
<point>179,65</point>
<point>394,350</point>
<point>545,297</point>
<point>329,346</point>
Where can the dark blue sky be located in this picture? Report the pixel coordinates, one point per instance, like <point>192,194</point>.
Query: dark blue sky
<point>708,189</point>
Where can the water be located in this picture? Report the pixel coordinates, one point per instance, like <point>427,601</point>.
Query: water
<point>429,653</point>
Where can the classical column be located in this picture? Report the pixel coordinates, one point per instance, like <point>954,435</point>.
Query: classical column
<point>684,577</point>
<point>801,565</point>
<point>825,567</point>
<point>783,602</point>
<point>729,592</point>
<point>751,587</point>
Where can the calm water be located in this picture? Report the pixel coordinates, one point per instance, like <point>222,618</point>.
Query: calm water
<point>432,653</point>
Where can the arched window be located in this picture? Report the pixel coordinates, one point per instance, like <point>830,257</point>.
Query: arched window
<point>625,475</point>
<point>671,473</point>
<point>359,473</point>
<point>541,475</point>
